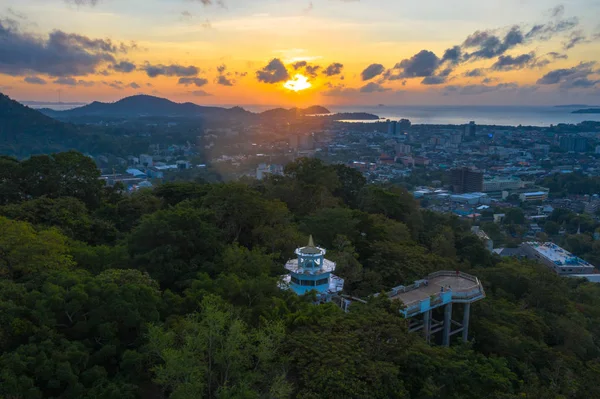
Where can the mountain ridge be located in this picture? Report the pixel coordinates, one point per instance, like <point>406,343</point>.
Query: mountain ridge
<point>145,105</point>
<point>25,131</point>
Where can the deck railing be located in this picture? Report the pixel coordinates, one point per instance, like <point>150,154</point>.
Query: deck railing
<point>414,307</point>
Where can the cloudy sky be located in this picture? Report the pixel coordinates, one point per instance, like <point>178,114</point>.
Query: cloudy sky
<point>349,51</point>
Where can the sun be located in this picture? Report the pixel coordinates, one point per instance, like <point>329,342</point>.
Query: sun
<point>299,82</point>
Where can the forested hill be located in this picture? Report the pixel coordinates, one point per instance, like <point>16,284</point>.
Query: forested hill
<point>25,131</point>
<point>173,293</point>
<point>145,105</point>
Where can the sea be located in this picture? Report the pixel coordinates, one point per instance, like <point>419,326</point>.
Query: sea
<point>439,114</point>
<point>482,115</point>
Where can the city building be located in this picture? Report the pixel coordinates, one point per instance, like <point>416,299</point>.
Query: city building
<point>310,271</point>
<point>403,149</point>
<point>392,128</point>
<point>502,183</point>
<point>556,258</point>
<point>534,196</point>
<point>471,198</point>
<point>573,143</point>
<point>146,160</point>
<point>593,205</point>
<point>263,170</point>
<point>422,161</point>
<point>466,180</point>
<point>471,129</point>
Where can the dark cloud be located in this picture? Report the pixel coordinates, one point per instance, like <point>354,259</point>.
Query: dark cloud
<point>557,56</point>
<point>59,54</point>
<point>580,83</point>
<point>199,82</point>
<point>134,85</point>
<point>115,84</point>
<point>333,69</point>
<point>508,62</point>
<point>70,81</point>
<point>35,80</point>
<point>422,64</point>
<point>16,14</point>
<point>311,70</point>
<point>489,80</point>
<point>224,81</point>
<point>434,80</point>
<point>170,70</point>
<point>372,71</point>
<point>480,89</point>
<point>574,39</point>
<point>453,55</point>
<point>581,71</point>
<point>66,81</point>
<point>393,74</point>
<point>547,31</point>
<point>219,3</point>
<point>221,68</point>
<point>200,93</point>
<point>557,11</point>
<point>83,2</point>
<point>373,87</point>
<point>273,72</point>
<point>124,67</point>
<point>475,73</point>
<point>299,64</point>
<point>488,45</point>
<point>339,91</point>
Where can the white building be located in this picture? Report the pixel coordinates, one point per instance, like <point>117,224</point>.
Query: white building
<point>556,258</point>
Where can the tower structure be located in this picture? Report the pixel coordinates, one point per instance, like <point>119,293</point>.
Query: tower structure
<point>310,271</point>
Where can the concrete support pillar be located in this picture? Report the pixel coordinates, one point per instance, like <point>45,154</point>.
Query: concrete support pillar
<point>427,325</point>
<point>465,323</point>
<point>447,324</point>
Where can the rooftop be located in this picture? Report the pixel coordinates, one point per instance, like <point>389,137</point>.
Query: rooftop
<point>557,255</point>
<point>536,193</point>
<point>292,266</point>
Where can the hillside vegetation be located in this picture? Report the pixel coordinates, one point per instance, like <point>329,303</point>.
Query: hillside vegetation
<point>173,293</point>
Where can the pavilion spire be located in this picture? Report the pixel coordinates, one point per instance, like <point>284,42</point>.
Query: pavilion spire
<point>311,243</point>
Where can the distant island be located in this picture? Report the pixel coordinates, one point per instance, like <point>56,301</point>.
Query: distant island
<point>587,111</point>
<point>572,106</point>
<point>354,116</point>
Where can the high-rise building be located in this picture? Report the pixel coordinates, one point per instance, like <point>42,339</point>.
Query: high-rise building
<point>471,129</point>
<point>392,128</point>
<point>466,180</point>
<point>402,149</point>
<point>573,143</point>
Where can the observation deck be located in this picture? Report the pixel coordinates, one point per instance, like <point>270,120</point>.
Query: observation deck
<point>439,289</point>
<point>436,290</point>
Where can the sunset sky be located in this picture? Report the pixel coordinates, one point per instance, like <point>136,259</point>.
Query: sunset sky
<point>349,51</point>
